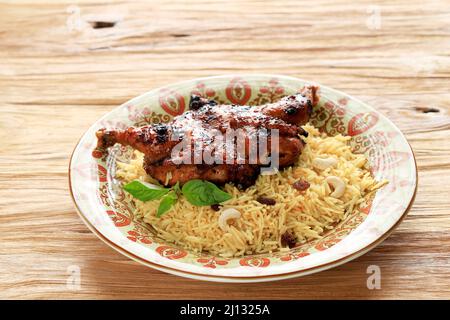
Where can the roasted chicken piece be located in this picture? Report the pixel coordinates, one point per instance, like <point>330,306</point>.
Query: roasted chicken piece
<point>197,144</point>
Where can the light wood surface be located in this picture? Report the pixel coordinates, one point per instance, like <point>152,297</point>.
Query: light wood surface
<point>59,74</point>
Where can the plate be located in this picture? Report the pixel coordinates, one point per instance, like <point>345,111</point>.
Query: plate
<point>102,205</point>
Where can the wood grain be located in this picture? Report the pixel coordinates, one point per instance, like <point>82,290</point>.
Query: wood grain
<point>58,76</point>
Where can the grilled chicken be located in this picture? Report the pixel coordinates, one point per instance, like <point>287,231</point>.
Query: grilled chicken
<point>202,132</point>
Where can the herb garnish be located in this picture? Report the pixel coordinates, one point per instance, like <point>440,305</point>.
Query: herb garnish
<point>145,191</point>
<point>197,192</point>
<point>204,193</point>
<point>166,203</point>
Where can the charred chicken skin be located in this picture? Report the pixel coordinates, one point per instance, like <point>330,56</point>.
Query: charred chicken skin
<point>199,129</point>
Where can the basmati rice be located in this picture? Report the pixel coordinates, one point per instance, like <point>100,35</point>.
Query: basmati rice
<point>307,214</point>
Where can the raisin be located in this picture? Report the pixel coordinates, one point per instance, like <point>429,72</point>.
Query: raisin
<point>216,207</point>
<point>265,200</point>
<point>288,239</point>
<point>303,133</point>
<point>301,185</point>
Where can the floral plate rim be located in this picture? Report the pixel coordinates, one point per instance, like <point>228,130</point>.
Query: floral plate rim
<point>249,278</point>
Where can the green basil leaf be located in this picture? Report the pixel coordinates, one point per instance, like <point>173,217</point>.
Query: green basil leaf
<point>145,191</point>
<point>218,194</point>
<point>166,203</point>
<point>203,193</point>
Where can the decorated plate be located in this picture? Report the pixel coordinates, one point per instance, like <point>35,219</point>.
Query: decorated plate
<point>104,208</point>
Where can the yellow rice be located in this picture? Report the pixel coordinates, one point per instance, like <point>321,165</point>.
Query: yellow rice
<point>307,214</point>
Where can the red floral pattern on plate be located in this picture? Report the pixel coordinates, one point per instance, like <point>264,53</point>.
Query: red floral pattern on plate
<point>326,244</point>
<point>135,236</point>
<point>256,262</point>
<point>294,256</point>
<point>238,91</point>
<point>144,116</point>
<point>329,118</point>
<point>212,262</point>
<point>203,91</point>
<point>102,173</point>
<point>119,219</point>
<point>388,160</point>
<point>171,252</point>
<point>172,102</point>
<point>271,92</point>
<point>361,123</point>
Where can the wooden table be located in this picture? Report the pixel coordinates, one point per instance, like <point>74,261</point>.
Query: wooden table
<point>63,65</point>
